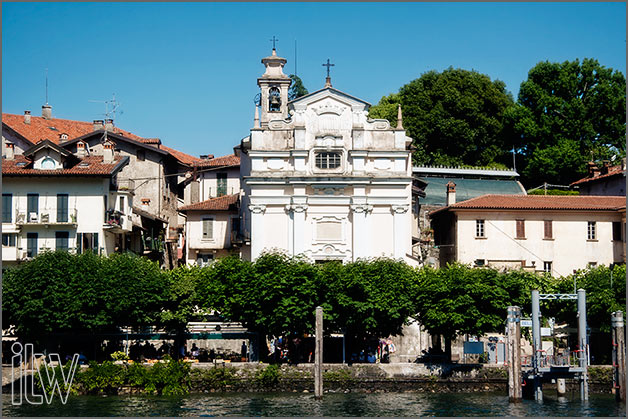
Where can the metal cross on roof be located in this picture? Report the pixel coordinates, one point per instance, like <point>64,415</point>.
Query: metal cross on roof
<point>328,65</point>
<point>273,41</point>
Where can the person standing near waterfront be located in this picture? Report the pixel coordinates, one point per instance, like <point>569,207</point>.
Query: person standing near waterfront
<point>243,352</point>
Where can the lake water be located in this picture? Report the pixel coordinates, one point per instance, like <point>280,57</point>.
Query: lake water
<point>304,404</point>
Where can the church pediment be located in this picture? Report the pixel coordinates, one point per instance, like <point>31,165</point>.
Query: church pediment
<point>342,99</point>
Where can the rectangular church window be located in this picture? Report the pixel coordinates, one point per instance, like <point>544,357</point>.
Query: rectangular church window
<point>327,160</point>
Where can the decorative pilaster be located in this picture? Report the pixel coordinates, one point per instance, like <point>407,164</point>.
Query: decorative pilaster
<point>297,212</point>
<point>257,229</point>
<point>360,230</point>
<point>400,230</point>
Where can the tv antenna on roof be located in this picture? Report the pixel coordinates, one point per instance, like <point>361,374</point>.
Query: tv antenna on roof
<point>46,85</point>
<point>112,107</point>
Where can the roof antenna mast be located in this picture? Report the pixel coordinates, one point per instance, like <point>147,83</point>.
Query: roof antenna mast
<point>46,85</point>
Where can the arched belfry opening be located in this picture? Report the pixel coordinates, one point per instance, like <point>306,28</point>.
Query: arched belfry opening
<point>274,100</point>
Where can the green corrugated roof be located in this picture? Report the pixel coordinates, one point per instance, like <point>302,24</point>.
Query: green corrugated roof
<point>436,191</point>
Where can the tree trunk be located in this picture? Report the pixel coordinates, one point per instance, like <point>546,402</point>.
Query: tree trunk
<point>448,348</point>
<point>436,343</point>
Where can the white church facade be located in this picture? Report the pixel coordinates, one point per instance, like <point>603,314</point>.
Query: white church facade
<point>322,179</point>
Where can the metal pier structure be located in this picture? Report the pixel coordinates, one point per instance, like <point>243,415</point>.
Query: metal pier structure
<point>545,368</point>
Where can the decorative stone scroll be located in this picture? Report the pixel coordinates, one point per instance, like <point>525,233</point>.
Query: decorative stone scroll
<point>296,207</point>
<point>361,208</point>
<point>399,209</point>
<point>257,208</point>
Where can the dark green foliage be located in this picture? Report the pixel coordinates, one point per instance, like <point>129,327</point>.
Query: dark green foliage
<point>59,292</point>
<point>297,89</point>
<point>457,300</point>
<point>167,378</point>
<point>48,386</point>
<point>102,378</point>
<point>269,376</point>
<point>566,114</point>
<point>275,295</point>
<point>183,299</point>
<point>368,297</point>
<point>602,298</point>
<point>455,117</point>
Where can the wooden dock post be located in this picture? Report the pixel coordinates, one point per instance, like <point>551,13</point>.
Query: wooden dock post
<point>619,355</point>
<point>514,354</point>
<point>318,355</point>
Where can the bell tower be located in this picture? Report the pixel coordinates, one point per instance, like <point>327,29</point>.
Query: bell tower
<point>274,85</point>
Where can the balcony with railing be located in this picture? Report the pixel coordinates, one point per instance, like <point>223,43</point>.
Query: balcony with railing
<point>47,217</point>
<point>116,220</point>
<point>122,185</point>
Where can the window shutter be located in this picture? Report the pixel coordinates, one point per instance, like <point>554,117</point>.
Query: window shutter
<point>521,229</point>
<point>7,206</point>
<point>62,208</point>
<point>208,228</point>
<point>32,204</point>
<point>548,229</point>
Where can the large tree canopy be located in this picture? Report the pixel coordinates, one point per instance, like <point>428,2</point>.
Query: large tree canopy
<point>455,117</point>
<point>58,292</point>
<point>568,113</point>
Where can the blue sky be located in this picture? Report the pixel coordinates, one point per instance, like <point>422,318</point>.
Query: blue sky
<point>186,72</point>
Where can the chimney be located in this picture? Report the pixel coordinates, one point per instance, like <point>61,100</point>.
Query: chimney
<point>107,153</point>
<point>81,149</point>
<point>10,153</point>
<point>46,111</point>
<point>451,193</point>
<point>605,165</point>
<point>592,169</point>
<point>399,118</point>
<point>98,124</point>
<point>27,117</point>
<point>623,164</point>
<point>109,125</point>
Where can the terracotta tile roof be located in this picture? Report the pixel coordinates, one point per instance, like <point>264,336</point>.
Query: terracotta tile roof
<point>51,129</point>
<point>21,166</point>
<point>226,161</point>
<point>40,129</point>
<point>540,202</point>
<point>222,203</point>
<point>612,171</point>
<point>182,157</point>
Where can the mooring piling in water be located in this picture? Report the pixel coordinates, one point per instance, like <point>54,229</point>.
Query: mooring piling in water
<point>619,355</point>
<point>583,346</point>
<point>536,345</point>
<point>318,355</point>
<point>514,353</point>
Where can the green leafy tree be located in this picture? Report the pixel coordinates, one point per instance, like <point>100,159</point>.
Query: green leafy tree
<point>183,301</point>
<point>457,300</point>
<point>605,293</point>
<point>274,295</point>
<point>454,117</point>
<point>297,89</point>
<point>365,298</point>
<point>566,114</point>
<point>62,293</point>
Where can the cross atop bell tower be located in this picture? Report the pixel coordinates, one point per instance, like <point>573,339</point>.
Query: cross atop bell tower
<point>274,85</point>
